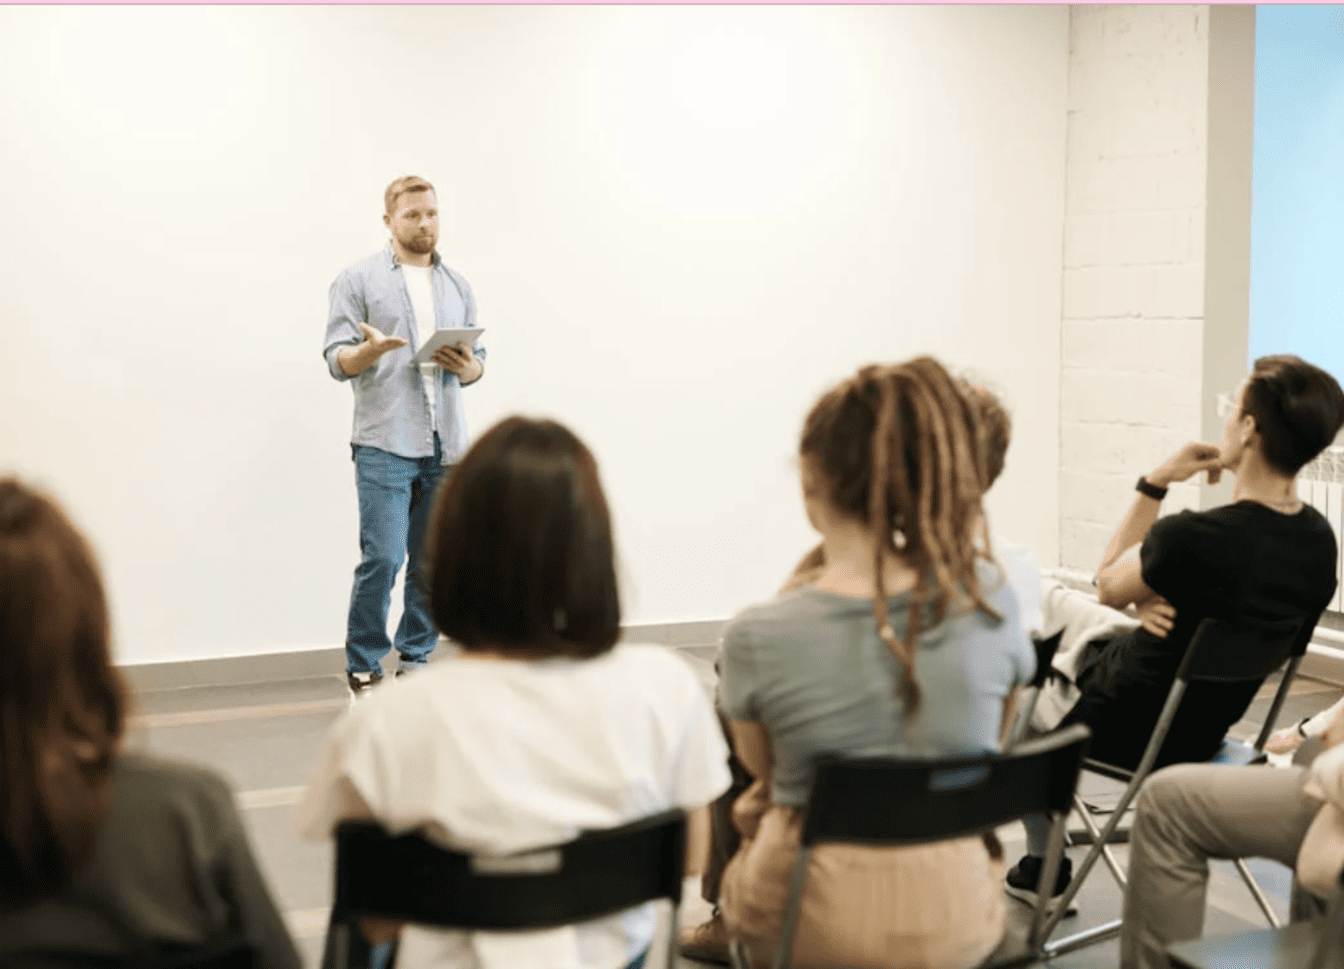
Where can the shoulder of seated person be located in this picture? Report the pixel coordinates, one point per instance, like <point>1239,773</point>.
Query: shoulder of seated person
<point>783,605</point>
<point>170,777</point>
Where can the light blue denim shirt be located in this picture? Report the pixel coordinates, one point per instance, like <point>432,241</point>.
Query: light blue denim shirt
<point>391,408</point>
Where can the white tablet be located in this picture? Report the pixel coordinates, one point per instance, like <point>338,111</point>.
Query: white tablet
<point>456,336</point>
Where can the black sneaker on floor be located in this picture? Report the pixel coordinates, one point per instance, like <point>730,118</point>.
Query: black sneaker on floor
<point>360,683</point>
<point>1021,882</point>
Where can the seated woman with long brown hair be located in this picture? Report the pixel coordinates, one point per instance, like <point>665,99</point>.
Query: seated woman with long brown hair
<point>102,852</point>
<point>906,643</point>
<point>542,726</point>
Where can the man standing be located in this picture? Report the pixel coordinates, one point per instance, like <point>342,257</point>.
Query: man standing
<point>409,428</point>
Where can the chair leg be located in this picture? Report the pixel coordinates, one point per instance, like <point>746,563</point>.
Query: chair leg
<point>1080,940</point>
<point>1261,899</point>
<point>1098,850</point>
<point>1100,933</point>
<point>1049,873</point>
<point>336,945</point>
<point>673,919</point>
<point>1095,833</point>
<point>1276,705</point>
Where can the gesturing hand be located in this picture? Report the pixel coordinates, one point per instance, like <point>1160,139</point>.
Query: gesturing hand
<point>1157,615</point>
<point>378,341</point>
<point>1189,460</point>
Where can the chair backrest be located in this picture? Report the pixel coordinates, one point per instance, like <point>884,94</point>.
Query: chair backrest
<point>600,872</point>
<point>1239,650</point>
<point>885,800</point>
<point>1045,650</point>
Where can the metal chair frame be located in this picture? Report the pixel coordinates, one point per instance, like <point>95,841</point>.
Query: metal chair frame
<point>1200,663</point>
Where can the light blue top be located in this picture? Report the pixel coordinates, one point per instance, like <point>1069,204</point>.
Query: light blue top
<point>391,407</point>
<point>810,668</point>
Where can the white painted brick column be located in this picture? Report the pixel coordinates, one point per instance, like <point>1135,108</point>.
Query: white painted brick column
<point>1133,308</point>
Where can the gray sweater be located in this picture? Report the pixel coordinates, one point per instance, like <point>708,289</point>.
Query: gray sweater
<point>172,865</point>
<point>811,669</point>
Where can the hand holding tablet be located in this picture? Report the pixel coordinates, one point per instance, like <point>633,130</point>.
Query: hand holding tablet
<point>463,336</point>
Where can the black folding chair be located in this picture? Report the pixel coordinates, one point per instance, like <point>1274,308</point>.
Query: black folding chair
<point>408,879</point>
<point>1222,651</point>
<point>1045,655</point>
<point>886,801</point>
<point>1314,944</point>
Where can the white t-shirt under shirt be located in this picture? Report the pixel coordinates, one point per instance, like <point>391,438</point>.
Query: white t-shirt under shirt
<point>497,757</point>
<point>420,285</point>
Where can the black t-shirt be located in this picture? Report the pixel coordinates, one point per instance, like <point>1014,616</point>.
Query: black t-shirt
<point>1243,560</point>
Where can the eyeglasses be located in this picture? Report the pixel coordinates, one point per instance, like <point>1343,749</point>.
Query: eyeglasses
<point>1226,404</point>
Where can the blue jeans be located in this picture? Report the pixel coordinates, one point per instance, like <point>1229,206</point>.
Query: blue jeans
<point>396,495</point>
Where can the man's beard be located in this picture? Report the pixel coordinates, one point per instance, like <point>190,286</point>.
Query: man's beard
<point>419,244</point>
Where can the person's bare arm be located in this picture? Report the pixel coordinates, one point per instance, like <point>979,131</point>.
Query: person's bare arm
<point>1119,577</point>
<point>697,840</point>
<point>1334,733</point>
<point>355,360</point>
<point>1121,583</point>
<point>752,745</point>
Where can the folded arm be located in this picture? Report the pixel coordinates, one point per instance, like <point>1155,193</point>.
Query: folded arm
<point>1120,577</point>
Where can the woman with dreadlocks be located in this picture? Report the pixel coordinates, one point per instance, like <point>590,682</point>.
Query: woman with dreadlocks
<point>907,642</point>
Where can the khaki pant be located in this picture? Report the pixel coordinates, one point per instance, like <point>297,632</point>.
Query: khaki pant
<point>938,906</point>
<point>1186,815</point>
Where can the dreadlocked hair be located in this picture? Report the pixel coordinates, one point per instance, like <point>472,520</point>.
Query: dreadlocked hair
<point>901,448</point>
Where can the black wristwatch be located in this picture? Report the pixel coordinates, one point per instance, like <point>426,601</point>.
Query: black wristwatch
<point>1151,490</point>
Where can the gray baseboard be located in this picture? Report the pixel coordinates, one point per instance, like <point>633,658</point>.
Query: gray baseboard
<point>233,670</point>
<point>330,661</point>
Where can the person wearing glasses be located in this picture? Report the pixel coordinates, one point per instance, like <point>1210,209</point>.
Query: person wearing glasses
<point>1265,556</point>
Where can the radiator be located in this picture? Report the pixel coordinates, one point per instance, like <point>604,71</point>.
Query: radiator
<point>1321,485</point>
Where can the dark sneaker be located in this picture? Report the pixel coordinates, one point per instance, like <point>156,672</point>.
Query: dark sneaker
<point>1025,876</point>
<point>706,942</point>
<point>360,683</point>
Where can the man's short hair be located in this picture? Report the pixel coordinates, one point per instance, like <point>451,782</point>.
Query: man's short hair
<point>404,186</point>
<point>520,552</point>
<point>1298,410</point>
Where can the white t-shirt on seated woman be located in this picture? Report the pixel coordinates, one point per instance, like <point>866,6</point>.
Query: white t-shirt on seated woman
<point>497,757</point>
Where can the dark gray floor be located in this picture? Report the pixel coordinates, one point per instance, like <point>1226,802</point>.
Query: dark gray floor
<point>264,737</point>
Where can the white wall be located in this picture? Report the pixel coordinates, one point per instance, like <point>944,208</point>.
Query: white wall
<point>683,224</point>
<point>1134,250</point>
